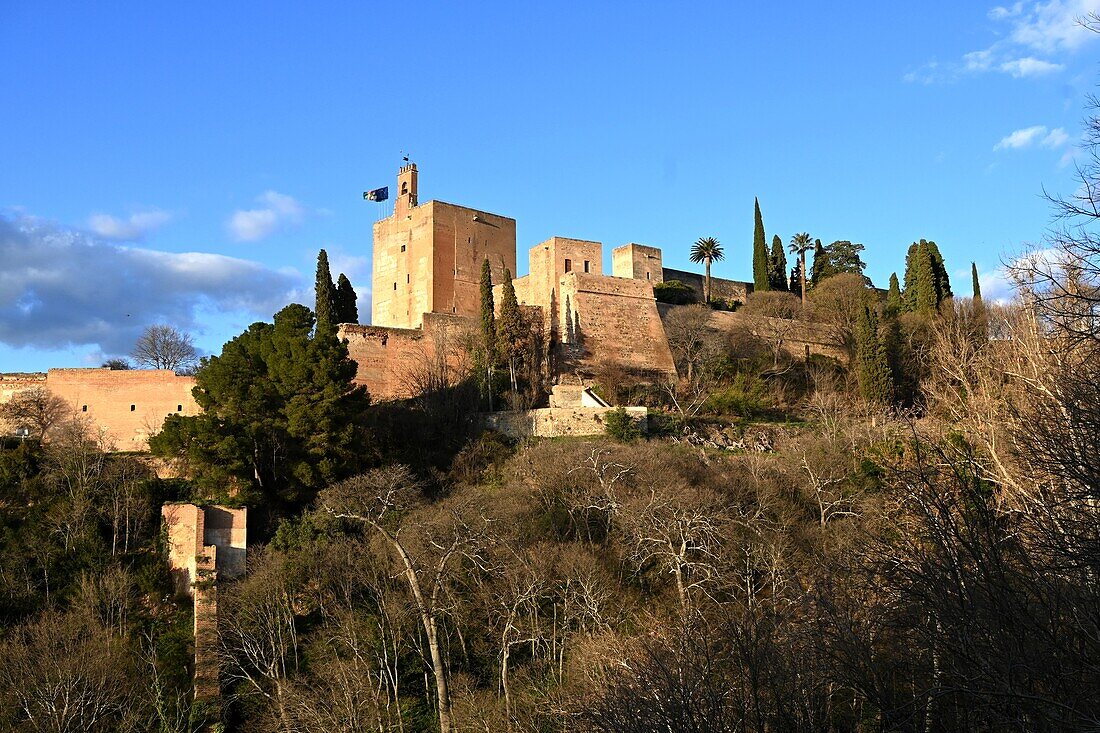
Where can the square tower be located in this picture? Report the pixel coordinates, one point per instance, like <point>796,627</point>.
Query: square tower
<point>637,262</point>
<point>427,258</point>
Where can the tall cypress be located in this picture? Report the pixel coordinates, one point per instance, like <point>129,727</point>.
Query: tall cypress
<point>974,281</point>
<point>939,272</point>
<point>510,328</point>
<point>820,269</point>
<point>893,295</point>
<point>761,275</point>
<point>777,262</point>
<point>326,295</point>
<point>909,293</point>
<point>346,309</point>
<point>488,311</point>
<point>876,383</point>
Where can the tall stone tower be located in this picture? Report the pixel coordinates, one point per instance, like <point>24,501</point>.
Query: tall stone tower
<point>427,258</point>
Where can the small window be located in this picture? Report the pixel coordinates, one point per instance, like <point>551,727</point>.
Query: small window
<point>404,187</point>
<point>402,248</point>
<point>647,276</point>
<point>454,309</point>
<point>395,286</point>
<point>568,265</point>
<point>84,408</point>
<point>133,408</point>
<point>407,280</point>
<point>586,265</point>
<point>179,408</point>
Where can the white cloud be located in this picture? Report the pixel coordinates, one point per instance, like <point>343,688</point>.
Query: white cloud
<point>1027,30</point>
<point>1021,138</point>
<point>61,287</point>
<point>132,229</point>
<point>1029,66</point>
<point>252,225</point>
<point>1034,135</point>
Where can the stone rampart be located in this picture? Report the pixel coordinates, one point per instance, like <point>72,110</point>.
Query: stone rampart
<point>798,339</point>
<point>556,422</point>
<point>394,363</point>
<point>720,289</point>
<point>614,319</point>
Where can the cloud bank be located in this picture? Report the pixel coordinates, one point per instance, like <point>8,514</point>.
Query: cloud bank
<point>1034,135</point>
<point>61,287</point>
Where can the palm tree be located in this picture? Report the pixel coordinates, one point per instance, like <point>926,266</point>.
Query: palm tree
<point>706,249</point>
<point>800,244</point>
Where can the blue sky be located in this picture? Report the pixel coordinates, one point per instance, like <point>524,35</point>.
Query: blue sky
<point>182,163</point>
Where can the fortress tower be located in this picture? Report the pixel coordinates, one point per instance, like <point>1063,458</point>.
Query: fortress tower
<point>427,258</point>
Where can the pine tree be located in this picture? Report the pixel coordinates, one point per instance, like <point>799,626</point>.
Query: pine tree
<point>777,266</point>
<point>510,328</point>
<point>974,281</point>
<point>894,304</point>
<point>876,382</point>
<point>346,309</point>
<point>761,271</point>
<point>326,295</point>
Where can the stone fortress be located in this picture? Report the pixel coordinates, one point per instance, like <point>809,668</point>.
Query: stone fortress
<point>425,300</point>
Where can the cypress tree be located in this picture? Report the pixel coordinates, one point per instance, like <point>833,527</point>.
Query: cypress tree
<point>509,328</point>
<point>777,273</point>
<point>939,272</point>
<point>761,274</point>
<point>795,283</point>
<point>488,310</point>
<point>876,382</point>
<point>909,293</point>
<point>326,295</point>
<point>974,281</point>
<point>346,309</point>
<point>893,296</point>
<point>927,292</point>
<point>819,270</point>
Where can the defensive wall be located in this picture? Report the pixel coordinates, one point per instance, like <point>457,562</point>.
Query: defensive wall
<point>614,319</point>
<point>394,362</point>
<point>798,339</point>
<point>127,405</point>
<point>727,291</point>
<point>205,544</point>
<point>573,411</point>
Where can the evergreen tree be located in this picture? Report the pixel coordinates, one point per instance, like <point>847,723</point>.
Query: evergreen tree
<point>706,250</point>
<point>800,245</point>
<point>510,336</point>
<point>326,295</point>
<point>974,282</point>
<point>876,382</point>
<point>909,293</point>
<point>761,271</point>
<point>927,286</point>
<point>939,271</point>
<point>796,277</point>
<point>488,310</point>
<point>819,270</point>
<point>894,303</point>
<point>777,266</point>
<point>346,309</point>
<point>279,413</point>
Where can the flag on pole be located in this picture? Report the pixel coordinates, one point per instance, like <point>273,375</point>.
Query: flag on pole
<point>378,194</point>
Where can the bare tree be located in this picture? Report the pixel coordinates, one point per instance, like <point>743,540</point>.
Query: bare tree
<point>36,409</point>
<point>165,347</point>
<point>776,318</point>
<point>444,539</point>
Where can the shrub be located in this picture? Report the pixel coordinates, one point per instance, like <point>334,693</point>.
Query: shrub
<point>620,426</point>
<point>674,292</point>
<point>746,396</point>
